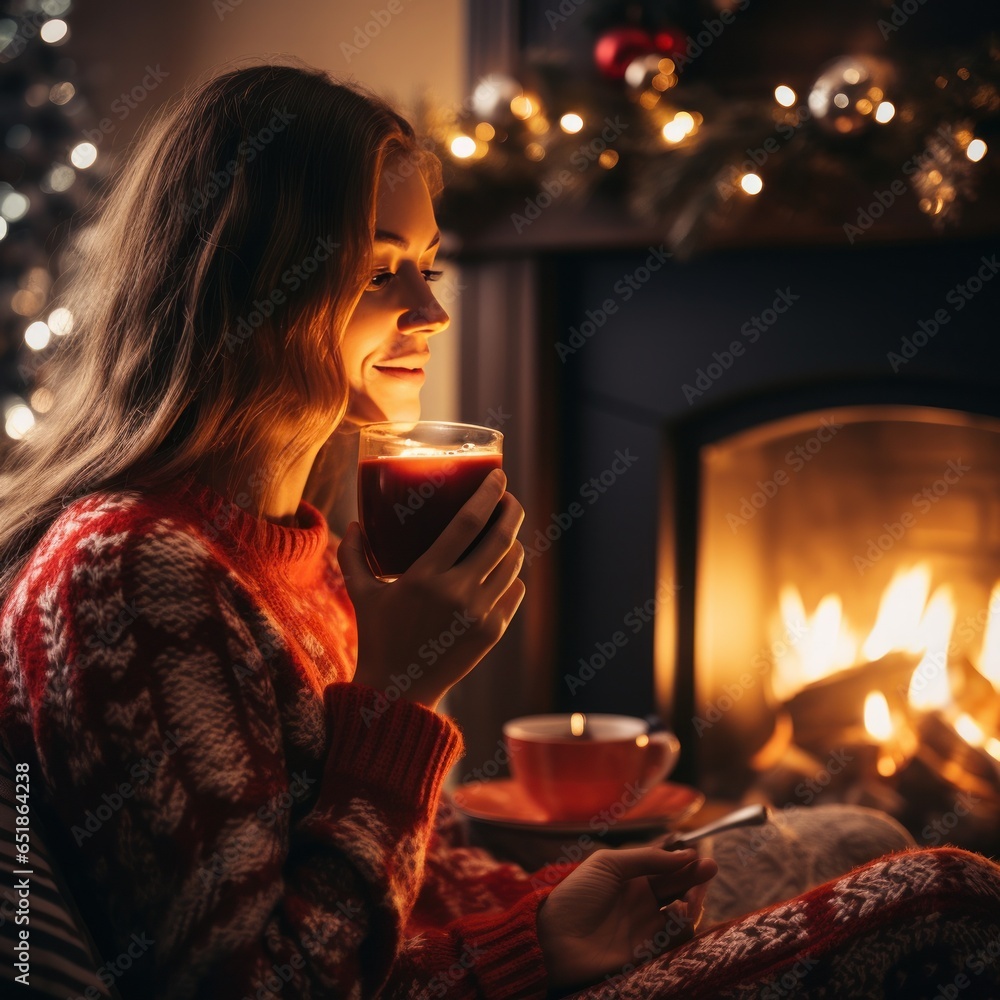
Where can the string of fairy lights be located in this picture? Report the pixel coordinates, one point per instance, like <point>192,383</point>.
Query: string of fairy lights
<point>691,158</point>
<point>48,170</point>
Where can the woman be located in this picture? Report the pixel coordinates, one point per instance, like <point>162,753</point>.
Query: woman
<point>197,687</point>
<point>196,679</point>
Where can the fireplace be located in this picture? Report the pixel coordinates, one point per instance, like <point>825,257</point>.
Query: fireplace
<point>650,407</point>
<point>848,611</point>
<point>799,495</point>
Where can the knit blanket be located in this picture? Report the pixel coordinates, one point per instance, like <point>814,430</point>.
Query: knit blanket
<point>917,925</point>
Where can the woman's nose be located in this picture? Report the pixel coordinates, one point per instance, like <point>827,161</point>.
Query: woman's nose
<point>429,317</point>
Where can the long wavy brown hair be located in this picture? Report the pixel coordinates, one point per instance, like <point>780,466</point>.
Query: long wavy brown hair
<point>208,306</point>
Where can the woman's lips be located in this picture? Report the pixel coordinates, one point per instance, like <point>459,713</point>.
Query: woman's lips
<point>407,374</point>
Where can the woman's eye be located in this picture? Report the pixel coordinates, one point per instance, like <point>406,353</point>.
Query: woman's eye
<point>382,278</point>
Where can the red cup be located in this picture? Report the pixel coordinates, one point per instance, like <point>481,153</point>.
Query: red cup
<point>579,777</point>
<point>412,480</point>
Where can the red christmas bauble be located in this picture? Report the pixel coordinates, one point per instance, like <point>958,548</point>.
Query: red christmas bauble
<point>616,48</point>
<point>669,41</point>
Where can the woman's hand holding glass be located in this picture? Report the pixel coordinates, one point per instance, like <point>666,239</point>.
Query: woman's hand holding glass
<point>440,618</point>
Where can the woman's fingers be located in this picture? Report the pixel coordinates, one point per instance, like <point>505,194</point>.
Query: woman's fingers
<point>358,576</point>
<point>695,899</point>
<point>628,863</point>
<point>676,884</point>
<point>462,530</point>
<point>503,574</point>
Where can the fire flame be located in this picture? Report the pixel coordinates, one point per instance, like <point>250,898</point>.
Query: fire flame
<point>929,687</point>
<point>989,658</point>
<point>878,721</point>
<point>969,730</point>
<point>823,643</point>
<point>912,620</point>
<point>901,607</point>
<point>577,723</point>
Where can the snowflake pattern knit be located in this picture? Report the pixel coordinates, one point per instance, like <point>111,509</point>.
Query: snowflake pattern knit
<point>178,673</point>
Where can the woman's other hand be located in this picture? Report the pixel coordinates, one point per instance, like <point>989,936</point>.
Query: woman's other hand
<point>605,917</point>
<point>441,617</point>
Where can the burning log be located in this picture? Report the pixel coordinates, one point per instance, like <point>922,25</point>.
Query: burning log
<point>830,712</point>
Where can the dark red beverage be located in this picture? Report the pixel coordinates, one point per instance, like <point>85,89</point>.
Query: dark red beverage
<point>405,502</point>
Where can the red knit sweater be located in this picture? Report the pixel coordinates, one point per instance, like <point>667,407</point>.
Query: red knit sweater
<point>178,673</point>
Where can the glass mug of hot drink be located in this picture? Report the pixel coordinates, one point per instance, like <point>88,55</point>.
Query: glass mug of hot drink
<point>412,480</point>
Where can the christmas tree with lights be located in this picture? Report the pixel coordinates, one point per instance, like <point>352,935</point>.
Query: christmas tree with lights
<point>49,171</point>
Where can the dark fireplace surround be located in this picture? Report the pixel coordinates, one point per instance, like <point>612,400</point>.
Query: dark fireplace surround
<point>604,443</point>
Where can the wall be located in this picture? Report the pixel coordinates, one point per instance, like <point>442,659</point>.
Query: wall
<point>417,52</point>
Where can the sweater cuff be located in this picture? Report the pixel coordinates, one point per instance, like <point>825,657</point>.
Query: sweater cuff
<point>399,748</point>
<point>509,964</point>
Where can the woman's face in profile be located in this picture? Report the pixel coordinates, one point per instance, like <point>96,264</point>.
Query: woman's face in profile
<point>385,345</point>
